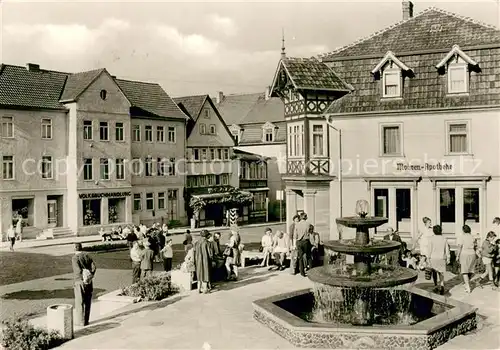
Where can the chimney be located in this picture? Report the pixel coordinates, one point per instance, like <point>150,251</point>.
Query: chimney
<point>407,10</point>
<point>268,93</point>
<point>32,67</point>
<point>220,96</point>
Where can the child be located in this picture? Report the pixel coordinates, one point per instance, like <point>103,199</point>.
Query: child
<point>147,260</point>
<point>496,263</point>
<point>410,260</point>
<point>167,254</point>
<point>488,253</point>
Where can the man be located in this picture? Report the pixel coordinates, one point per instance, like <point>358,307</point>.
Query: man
<point>136,257</point>
<point>394,257</point>
<point>83,270</point>
<point>147,260</point>
<point>302,243</point>
<point>281,248</point>
<point>315,240</point>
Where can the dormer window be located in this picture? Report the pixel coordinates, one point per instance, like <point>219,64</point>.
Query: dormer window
<point>268,132</point>
<point>236,131</point>
<point>392,72</point>
<point>457,65</point>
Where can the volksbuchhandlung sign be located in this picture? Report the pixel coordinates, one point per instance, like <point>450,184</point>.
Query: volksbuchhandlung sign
<point>104,194</point>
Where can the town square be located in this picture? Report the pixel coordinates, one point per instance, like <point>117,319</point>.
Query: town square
<point>250,175</point>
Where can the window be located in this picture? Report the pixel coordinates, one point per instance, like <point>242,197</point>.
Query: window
<point>259,201</point>
<point>161,200</point>
<point>136,167</point>
<point>262,172</point>
<point>391,140</point>
<point>103,131</point>
<point>103,94</point>
<point>160,134</point>
<point>268,135</point>
<point>171,134</point>
<point>8,167</point>
<point>226,154</point>
<point>7,130</point>
<point>46,167</point>
<point>87,130</point>
<point>318,140</point>
<point>171,167</point>
<point>381,202</point>
<point>447,204</point>
<point>457,78</point>
<point>295,140</point>
<point>148,133</point>
<point>212,153</point>
<point>91,212</point>
<point>210,180</point>
<point>104,168</point>
<point>212,129</point>
<point>46,129</point>
<point>150,201</point>
<point>219,154</point>
<point>225,179</point>
<point>203,154</point>
<point>458,138</point>
<point>392,83</point>
<point>236,136</point>
<point>172,204</point>
<point>471,205</point>
<point>196,154</point>
<point>253,171</point>
<point>206,113</point>
<point>149,166</point>
<point>119,132</point>
<point>161,166</point>
<point>88,171</point>
<point>120,169</point>
<point>202,180</point>
<point>137,202</point>
<point>203,128</point>
<point>136,133</point>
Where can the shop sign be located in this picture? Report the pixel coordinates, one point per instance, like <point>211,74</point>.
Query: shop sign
<point>104,194</point>
<point>424,167</point>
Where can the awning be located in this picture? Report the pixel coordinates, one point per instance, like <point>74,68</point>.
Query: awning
<point>258,189</point>
<point>215,195</point>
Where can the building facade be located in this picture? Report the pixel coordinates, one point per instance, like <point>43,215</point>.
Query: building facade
<point>66,147</point>
<point>418,135</point>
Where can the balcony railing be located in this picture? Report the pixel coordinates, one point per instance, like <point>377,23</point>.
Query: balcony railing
<point>245,183</point>
<point>311,167</point>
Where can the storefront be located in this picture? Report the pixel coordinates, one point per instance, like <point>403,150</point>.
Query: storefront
<point>259,208</point>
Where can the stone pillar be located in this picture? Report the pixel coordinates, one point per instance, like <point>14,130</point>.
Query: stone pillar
<point>104,211</point>
<point>128,209</point>
<point>291,207</point>
<point>323,214</point>
<point>5,214</point>
<point>40,215</point>
<point>309,205</point>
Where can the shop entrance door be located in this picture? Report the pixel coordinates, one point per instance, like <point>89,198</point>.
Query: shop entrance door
<point>459,206</point>
<point>52,213</point>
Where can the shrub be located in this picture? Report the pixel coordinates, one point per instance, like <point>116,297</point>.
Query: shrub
<point>156,287</point>
<point>21,335</point>
<point>105,246</point>
<point>174,223</point>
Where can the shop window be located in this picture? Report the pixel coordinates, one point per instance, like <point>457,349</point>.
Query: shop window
<point>471,205</point>
<point>47,167</point>
<point>8,167</point>
<point>172,204</point>
<point>161,200</point>
<point>259,201</point>
<point>46,128</point>
<point>458,137</point>
<point>150,201</point>
<point>87,130</point>
<point>137,202</point>
<point>119,136</point>
<point>7,129</point>
<point>447,205</point>
<point>381,200</point>
<point>148,133</point>
<point>103,131</point>
<point>120,169</point>
<point>160,134</point>
<point>91,212</point>
<point>391,144</point>
<point>136,133</point>
<point>88,171</point>
<point>104,168</point>
<point>116,210</point>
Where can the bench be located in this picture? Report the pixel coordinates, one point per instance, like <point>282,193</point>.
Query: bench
<point>254,255</point>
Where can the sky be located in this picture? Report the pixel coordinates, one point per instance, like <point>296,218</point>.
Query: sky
<point>195,48</point>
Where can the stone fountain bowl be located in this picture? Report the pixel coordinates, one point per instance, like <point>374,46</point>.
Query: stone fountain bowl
<point>359,222</point>
<point>349,246</point>
<point>382,276</point>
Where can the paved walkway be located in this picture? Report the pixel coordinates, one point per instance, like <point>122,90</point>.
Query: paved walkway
<point>224,319</point>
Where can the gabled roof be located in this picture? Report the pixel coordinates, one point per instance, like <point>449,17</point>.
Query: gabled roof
<point>430,29</point>
<point>243,109</point>
<point>390,57</point>
<point>310,74</point>
<point>456,51</point>
<point>22,88</point>
<point>150,97</point>
<point>192,104</point>
<point>77,83</point>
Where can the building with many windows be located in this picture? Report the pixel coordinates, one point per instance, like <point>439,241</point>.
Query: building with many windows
<point>418,134</point>
<point>67,151</point>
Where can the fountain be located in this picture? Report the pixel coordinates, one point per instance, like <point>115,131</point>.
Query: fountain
<point>364,304</point>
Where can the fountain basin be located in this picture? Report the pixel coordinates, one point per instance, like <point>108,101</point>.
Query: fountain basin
<point>381,277</point>
<point>350,246</point>
<point>446,319</point>
<point>362,222</point>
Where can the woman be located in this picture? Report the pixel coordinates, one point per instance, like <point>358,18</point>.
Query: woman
<point>467,256</point>
<point>233,253</point>
<point>11,235</point>
<point>267,247</point>
<point>203,261</point>
<point>439,257</point>
<point>425,235</point>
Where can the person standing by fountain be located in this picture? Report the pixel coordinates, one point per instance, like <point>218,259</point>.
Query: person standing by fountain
<point>439,257</point>
<point>423,239</point>
<point>395,257</point>
<point>466,256</point>
<point>302,242</point>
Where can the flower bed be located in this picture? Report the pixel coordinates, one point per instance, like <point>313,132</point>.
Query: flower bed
<point>21,335</point>
<point>105,246</point>
<point>153,288</point>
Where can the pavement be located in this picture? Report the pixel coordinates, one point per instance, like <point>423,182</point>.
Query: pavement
<point>224,318</point>
<point>35,243</point>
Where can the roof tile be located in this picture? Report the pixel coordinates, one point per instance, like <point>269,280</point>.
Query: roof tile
<point>77,83</point>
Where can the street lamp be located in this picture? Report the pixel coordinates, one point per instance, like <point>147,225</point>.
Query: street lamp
<point>329,121</point>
